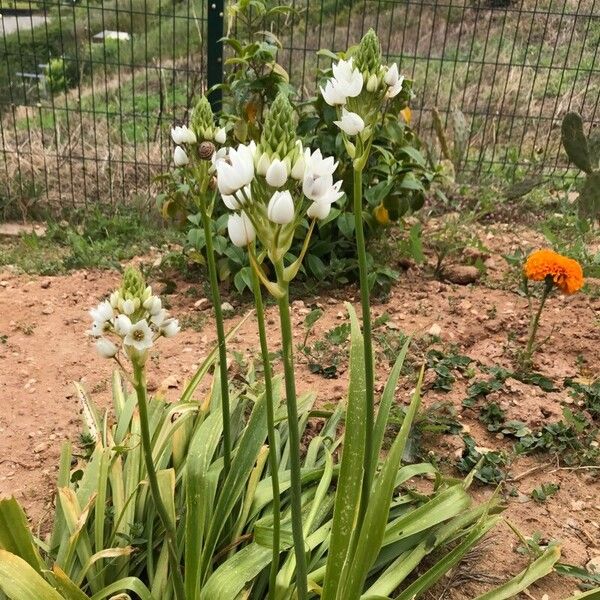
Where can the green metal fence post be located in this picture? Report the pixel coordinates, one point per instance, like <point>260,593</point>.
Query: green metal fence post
<point>214,54</point>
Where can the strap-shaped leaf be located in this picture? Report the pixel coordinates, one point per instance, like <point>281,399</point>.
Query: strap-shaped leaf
<point>376,517</point>
<point>19,580</point>
<point>15,536</point>
<point>536,570</point>
<point>347,500</point>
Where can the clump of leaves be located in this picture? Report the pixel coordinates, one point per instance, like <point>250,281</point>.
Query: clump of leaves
<point>492,416</point>
<point>573,438</point>
<point>490,464</point>
<point>443,365</point>
<point>388,338</point>
<point>544,491</point>
<point>588,395</point>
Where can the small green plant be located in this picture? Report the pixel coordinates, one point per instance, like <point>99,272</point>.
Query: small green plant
<point>489,465</point>
<point>443,365</point>
<point>584,153</point>
<point>544,491</point>
<point>56,75</point>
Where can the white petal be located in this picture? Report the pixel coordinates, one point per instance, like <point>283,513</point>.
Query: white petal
<point>180,158</point>
<point>281,208</point>
<point>240,229</point>
<point>319,210</point>
<point>106,348</point>
<point>276,174</point>
<point>220,136</point>
<point>122,325</point>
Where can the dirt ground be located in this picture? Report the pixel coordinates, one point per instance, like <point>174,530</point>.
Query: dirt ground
<point>44,349</point>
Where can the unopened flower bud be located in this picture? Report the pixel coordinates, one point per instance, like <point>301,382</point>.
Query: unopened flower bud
<point>122,325</point>
<point>220,136</point>
<point>391,75</point>
<point>129,306</point>
<point>206,150</point>
<point>153,305</point>
<point>240,229</point>
<point>263,164</point>
<point>299,167</point>
<point>372,83</point>
<point>106,348</point>
<point>281,208</point>
<point>350,123</point>
<point>277,173</point>
<point>180,158</point>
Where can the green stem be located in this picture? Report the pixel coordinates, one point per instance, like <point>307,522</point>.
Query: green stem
<point>367,337</point>
<point>216,300</point>
<point>139,379</point>
<point>294,435</point>
<point>274,463</point>
<point>535,323</point>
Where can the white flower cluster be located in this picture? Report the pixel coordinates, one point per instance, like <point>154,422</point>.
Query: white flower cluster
<point>348,82</point>
<point>245,175</point>
<point>135,323</point>
<point>183,135</point>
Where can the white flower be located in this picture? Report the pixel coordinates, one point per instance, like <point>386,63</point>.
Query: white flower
<point>264,162</point>
<point>333,94</point>
<point>220,136</point>
<point>237,172</point>
<point>281,208</point>
<point>180,158</point>
<point>318,166</point>
<point>391,75</point>
<point>321,207</point>
<point>170,328</point>
<point>106,348</point>
<point>122,325</point>
<point>235,201</point>
<point>183,135</point>
<point>394,90</point>
<point>159,318</point>
<point>140,336</point>
<point>277,173</point>
<point>153,305</point>
<point>240,229</point>
<point>349,80</point>
<point>103,312</point>
<point>314,186</point>
<point>351,123</point>
<point>129,306</point>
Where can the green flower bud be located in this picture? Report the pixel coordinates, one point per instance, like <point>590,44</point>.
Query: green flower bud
<point>367,58</point>
<point>202,122</point>
<point>278,138</point>
<point>133,286</point>
<point>372,83</point>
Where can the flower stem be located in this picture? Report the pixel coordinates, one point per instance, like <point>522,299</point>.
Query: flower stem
<point>139,379</point>
<point>216,300</point>
<point>274,463</point>
<point>294,435</point>
<point>367,336</point>
<point>533,327</point>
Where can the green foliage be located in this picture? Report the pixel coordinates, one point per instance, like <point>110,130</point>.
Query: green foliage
<point>488,465</point>
<point>443,365</point>
<point>584,153</point>
<point>544,491</point>
<point>56,75</point>
<point>588,394</point>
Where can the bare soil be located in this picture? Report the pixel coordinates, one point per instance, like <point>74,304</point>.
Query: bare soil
<point>44,349</point>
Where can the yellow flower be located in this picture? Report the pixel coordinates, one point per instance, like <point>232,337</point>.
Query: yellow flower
<point>381,215</point>
<point>565,272</point>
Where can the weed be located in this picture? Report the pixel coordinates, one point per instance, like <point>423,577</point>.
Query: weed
<point>544,491</point>
<point>490,465</point>
<point>492,416</point>
<point>443,365</point>
<point>587,395</point>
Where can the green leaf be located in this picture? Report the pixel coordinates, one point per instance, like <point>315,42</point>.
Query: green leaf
<point>347,499</point>
<point>227,582</point>
<point>536,570</point>
<point>385,404</point>
<point>15,536</point>
<point>378,508</point>
<point>20,581</point>
<point>132,584</point>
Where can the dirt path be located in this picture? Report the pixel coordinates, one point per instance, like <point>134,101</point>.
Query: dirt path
<point>44,349</point>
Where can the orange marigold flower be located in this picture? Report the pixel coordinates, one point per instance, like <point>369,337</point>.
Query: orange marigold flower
<point>565,272</point>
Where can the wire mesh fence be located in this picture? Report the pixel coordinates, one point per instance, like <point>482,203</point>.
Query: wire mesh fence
<point>88,90</point>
